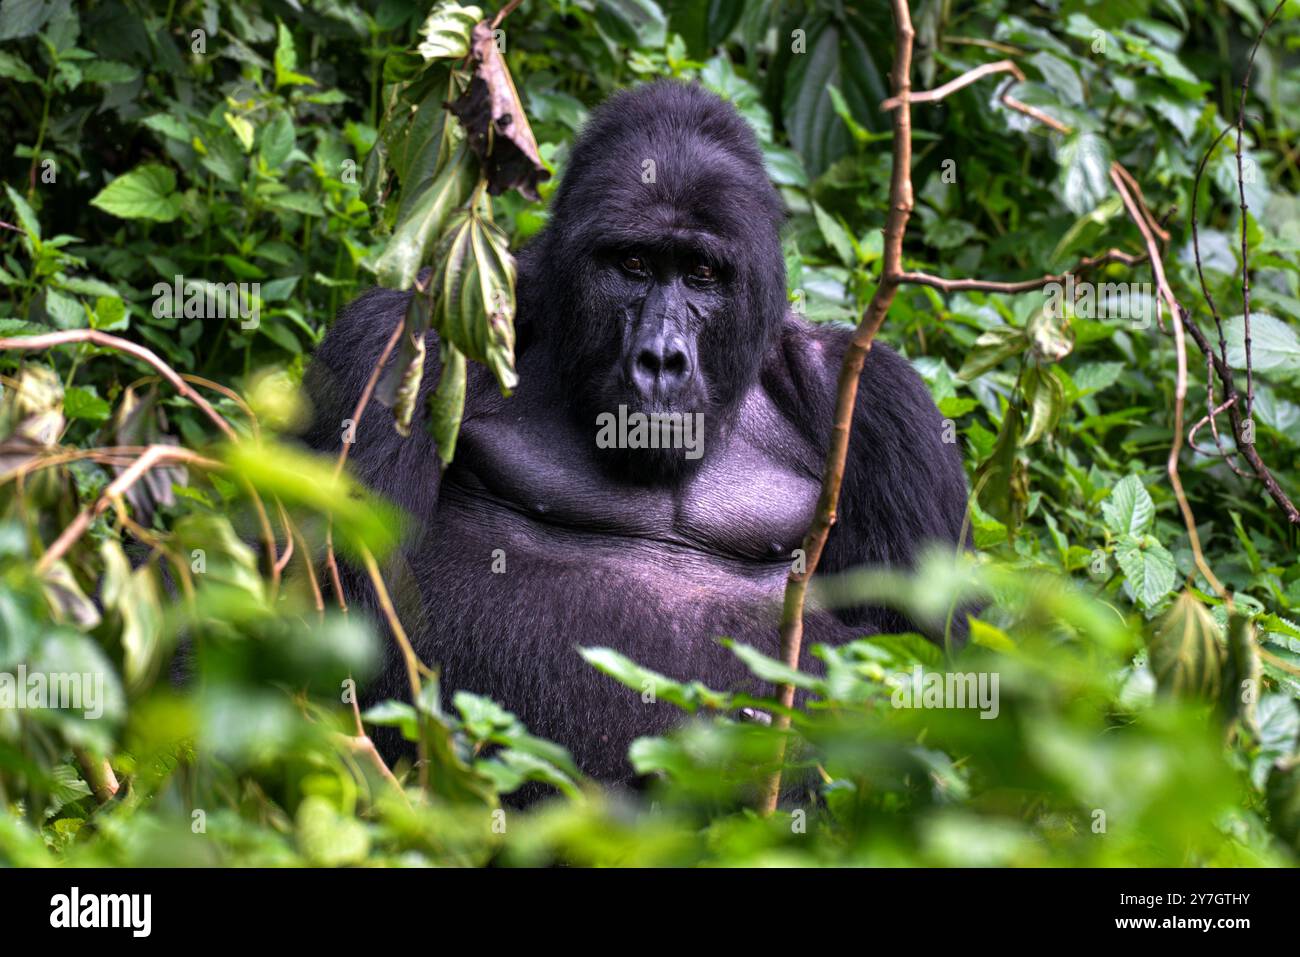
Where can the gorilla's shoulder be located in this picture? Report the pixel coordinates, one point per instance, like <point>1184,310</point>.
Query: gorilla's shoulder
<point>803,369</point>
<point>346,357</point>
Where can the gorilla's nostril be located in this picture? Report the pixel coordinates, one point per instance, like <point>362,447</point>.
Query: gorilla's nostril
<point>676,364</point>
<point>648,361</point>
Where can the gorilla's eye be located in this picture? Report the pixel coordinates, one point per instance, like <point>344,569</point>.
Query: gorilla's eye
<point>702,272</point>
<point>634,265</point>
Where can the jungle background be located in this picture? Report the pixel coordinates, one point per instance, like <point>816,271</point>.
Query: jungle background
<point>1146,716</point>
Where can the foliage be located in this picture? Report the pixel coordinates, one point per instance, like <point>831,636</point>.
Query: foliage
<point>213,180</point>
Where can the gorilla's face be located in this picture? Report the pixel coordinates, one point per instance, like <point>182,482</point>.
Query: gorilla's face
<point>662,329</point>
<point>657,308</point>
<point>659,282</point>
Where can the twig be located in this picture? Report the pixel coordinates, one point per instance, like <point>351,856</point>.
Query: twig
<point>1180,387</point>
<point>95,337</point>
<point>1025,285</point>
<point>153,455</point>
<point>900,210</point>
<point>413,664</point>
<point>973,75</point>
<point>1241,195</point>
<point>504,12</point>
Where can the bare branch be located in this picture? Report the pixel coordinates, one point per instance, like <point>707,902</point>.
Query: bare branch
<point>1025,285</point>
<point>153,455</point>
<point>95,337</point>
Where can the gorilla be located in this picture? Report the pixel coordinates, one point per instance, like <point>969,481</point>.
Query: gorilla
<point>646,309</point>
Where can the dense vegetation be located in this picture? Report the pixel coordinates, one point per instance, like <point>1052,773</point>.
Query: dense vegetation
<point>1144,715</point>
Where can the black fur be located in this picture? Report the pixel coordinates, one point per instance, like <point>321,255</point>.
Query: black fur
<point>646,552</point>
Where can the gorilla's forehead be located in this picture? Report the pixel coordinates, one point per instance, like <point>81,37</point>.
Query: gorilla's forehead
<point>706,202</point>
<point>664,160</point>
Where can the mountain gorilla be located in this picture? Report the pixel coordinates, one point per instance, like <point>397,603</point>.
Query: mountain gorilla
<point>665,295</point>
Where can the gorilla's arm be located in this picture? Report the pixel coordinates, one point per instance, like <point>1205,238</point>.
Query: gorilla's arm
<point>405,471</point>
<point>904,486</point>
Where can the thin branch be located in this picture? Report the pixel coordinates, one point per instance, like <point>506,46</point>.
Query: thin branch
<point>153,455</point>
<point>103,339</point>
<point>900,210</point>
<point>974,75</point>
<point>1245,210</point>
<point>504,12</point>
<point>413,664</point>
<point>1247,450</point>
<point>1180,388</point>
<point>1025,285</point>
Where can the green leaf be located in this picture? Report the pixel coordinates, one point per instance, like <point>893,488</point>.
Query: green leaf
<point>1129,510</point>
<point>703,24</point>
<point>1084,180</point>
<point>447,404</point>
<point>286,61</point>
<point>14,68</point>
<point>474,285</point>
<point>1046,396</point>
<point>1273,344</point>
<point>837,54</point>
<point>835,234</point>
<point>26,217</point>
<point>277,140</point>
<point>23,18</point>
<point>400,262</point>
<point>80,402</point>
<point>633,23</point>
<point>652,685</point>
<point>1149,569</point>
<point>990,349</point>
<point>147,192</point>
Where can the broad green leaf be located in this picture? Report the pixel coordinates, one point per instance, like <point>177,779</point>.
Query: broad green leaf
<point>836,51</point>
<point>1084,180</point>
<point>1149,569</point>
<point>633,23</point>
<point>1273,343</point>
<point>1129,510</point>
<point>147,192</point>
<point>277,140</point>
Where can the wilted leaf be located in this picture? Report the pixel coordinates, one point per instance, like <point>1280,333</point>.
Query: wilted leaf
<point>402,258</point>
<point>1187,652</point>
<point>990,349</point>
<point>474,285</point>
<point>494,119</point>
<point>447,404</point>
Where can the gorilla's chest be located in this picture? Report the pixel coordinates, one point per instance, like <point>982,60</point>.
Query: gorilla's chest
<point>742,504</point>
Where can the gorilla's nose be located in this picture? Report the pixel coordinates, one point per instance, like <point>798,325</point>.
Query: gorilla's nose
<point>661,366</point>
